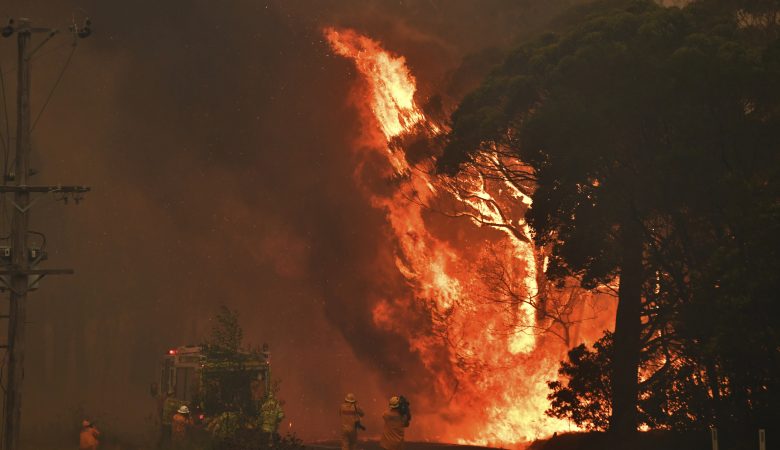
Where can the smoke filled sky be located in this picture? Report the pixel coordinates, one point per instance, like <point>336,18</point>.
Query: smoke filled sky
<point>216,138</point>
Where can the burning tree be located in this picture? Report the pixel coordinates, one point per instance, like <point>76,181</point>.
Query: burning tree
<point>638,123</point>
<point>479,333</point>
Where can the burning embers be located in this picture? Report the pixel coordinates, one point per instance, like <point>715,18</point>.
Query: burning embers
<point>467,261</point>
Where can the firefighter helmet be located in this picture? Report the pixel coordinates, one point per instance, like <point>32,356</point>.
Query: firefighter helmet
<point>395,402</point>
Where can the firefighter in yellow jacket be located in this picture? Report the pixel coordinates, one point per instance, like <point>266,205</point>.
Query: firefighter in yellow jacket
<point>395,422</point>
<point>350,415</point>
<point>272,414</point>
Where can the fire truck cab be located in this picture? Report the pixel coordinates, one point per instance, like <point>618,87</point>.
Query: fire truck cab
<point>180,373</point>
<point>211,386</point>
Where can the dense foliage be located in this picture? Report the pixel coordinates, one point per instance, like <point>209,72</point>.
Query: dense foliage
<point>584,397</point>
<point>654,136</point>
<point>233,392</point>
<point>671,398</point>
<point>226,334</point>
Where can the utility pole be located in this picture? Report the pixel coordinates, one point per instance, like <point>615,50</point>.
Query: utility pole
<point>16,276</point>
<point>17,314</point>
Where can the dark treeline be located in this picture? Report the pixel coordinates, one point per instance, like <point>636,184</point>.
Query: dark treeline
<point>652,135</point>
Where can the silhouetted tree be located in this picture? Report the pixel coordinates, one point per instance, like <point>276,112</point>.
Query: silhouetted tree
<point>671,397</point>
<point>226,333</point>
<point>585,396</point>
<point>640,124</point>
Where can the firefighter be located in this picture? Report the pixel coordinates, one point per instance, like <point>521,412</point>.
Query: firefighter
<point>272,415</point>
<point>180,425</point>
<point>395,422</point>
<point>88,438</point>
<point>169,406</point>
<point>350,422</point>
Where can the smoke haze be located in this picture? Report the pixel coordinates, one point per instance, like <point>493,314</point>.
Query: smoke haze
<point>216,137</point>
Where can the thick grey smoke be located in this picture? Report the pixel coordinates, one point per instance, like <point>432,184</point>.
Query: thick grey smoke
<point>216,138</point>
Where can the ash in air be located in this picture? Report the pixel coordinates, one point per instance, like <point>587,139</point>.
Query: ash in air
<point>449,201</point>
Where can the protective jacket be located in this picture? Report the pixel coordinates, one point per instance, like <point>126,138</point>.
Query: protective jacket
<point>350,413</point>
<point>393,434</point>
<point>88,439</point>
<point>179,424</point>
<point>272,415</point>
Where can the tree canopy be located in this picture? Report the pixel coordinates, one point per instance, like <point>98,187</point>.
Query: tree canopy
<point>653,135</point>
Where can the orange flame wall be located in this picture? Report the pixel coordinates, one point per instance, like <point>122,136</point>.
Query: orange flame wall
<point>488,370</point>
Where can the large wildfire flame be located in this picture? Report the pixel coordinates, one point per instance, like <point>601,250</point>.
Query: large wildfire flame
<point>468,257</point>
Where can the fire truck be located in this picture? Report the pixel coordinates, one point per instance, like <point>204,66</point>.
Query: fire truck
<point>212,383</point>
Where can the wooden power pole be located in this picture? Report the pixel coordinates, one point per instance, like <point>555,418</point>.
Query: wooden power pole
<point>21,274</point>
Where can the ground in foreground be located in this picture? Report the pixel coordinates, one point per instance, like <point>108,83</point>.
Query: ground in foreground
<point>651,440</point>
<point>374,445</point>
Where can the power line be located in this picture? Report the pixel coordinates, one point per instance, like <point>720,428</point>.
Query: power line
<point>18,273</point>
<point>56,83</point>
